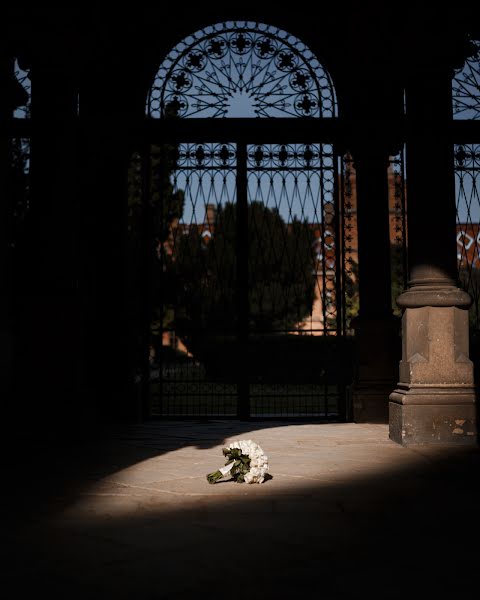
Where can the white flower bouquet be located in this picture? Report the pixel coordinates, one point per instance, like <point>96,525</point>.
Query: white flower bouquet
<point>245,462</point>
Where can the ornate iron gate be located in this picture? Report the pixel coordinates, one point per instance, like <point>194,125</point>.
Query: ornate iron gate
<point>248,281</point>
<point>246,311</point>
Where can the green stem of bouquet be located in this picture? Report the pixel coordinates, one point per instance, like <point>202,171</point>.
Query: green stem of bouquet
<point>241,466</point>
<point>214,477</point>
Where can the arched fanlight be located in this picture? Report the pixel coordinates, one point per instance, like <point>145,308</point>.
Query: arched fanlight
<point>241,69</point>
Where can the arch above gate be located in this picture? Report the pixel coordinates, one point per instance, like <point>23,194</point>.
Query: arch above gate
<point>244,69</point>
<point>466,87</point>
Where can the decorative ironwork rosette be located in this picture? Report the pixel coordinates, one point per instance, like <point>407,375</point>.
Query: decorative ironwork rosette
<point>241,63</point>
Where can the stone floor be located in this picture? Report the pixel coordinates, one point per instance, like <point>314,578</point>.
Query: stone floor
<point>347,513</point>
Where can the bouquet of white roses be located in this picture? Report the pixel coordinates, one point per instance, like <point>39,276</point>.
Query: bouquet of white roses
<point>245,462</point>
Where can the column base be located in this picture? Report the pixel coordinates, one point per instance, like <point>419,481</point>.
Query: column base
<point>433,415</point>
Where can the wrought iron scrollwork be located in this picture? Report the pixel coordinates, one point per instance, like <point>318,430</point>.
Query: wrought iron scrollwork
<point>23,78</point>
<point>466,87</point>
<point>205,156</point>
<point>281,156</point>
<point>467,157</point>
<point>225,68</point>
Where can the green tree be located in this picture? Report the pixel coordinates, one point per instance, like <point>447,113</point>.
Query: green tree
<point>281,278</point>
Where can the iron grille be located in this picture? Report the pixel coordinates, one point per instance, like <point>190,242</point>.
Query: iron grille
<point>467,184</point>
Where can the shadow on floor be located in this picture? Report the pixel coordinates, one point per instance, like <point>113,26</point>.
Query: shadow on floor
<point>406,532</point>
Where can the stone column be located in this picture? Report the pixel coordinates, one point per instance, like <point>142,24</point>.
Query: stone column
<point>376,329</point>
<point>434,402</point>
<point>47,316</point>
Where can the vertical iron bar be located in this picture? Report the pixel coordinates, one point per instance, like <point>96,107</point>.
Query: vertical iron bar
<point>242,248</point>
<point>339,249</point>
<point>324,266</point>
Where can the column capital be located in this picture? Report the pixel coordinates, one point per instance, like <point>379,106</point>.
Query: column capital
<point>434,295</point>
